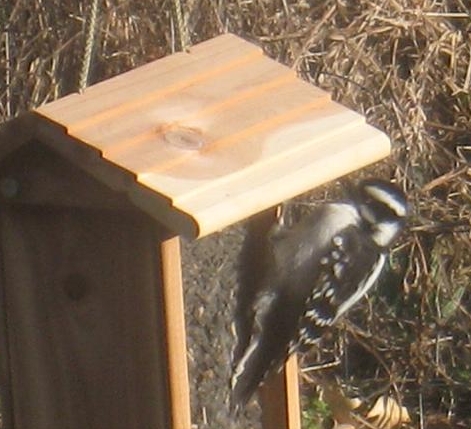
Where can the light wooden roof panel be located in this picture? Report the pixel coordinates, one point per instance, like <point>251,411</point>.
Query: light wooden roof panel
<point>214,129</point>
<point>218,133</point>
<point>145,86</point>
<point>222,164</point>
<point>197,105</point>
<point>222,200</point>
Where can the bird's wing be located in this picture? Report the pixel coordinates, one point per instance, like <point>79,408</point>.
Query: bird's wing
<point>349,269</point>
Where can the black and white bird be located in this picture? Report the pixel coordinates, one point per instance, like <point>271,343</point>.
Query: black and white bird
<point>318,269</point>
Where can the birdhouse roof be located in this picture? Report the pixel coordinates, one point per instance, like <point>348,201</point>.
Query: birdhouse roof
<point>205,138</point>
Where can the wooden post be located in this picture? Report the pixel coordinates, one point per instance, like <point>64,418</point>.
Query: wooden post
<point>280,398</point>
<point>175,330</point>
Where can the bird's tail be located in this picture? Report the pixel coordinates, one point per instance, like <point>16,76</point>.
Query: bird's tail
<point>248,373</point>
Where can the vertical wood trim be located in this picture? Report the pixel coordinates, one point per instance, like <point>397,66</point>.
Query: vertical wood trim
<point>293,406</point>
<point>176,334</point>
<point>280,398</point>
<point>6,405</point>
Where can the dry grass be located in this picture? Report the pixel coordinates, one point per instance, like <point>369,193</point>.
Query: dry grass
<point>406,65</point>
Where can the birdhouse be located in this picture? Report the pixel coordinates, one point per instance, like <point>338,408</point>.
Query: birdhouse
<point>96,188</point>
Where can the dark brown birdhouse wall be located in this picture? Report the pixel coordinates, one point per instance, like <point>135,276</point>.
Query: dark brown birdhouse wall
<point>81,299</point>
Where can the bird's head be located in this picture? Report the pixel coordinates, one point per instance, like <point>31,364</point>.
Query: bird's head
<point>383,209</point>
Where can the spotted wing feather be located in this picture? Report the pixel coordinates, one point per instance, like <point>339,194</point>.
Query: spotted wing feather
<point>348,270</point>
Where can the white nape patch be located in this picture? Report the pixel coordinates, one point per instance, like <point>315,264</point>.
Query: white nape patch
<point>388,199</point>
<point>363,288</point>
<point>384,233</point>
<point>241,365</point>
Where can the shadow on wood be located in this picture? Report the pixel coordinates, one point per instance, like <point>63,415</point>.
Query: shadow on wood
<point>82,301</point>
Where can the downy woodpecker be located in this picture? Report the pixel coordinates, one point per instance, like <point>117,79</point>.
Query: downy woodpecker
<point>318,269</point>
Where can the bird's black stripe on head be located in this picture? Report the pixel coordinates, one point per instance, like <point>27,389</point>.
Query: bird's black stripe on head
<point>386,202</point>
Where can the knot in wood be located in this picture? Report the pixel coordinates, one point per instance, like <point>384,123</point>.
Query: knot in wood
<point>184,138</point>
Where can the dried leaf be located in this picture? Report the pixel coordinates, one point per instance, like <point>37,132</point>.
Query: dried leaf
<point>344,426</point>
<point>388,414</point>
<point>355,403</point>
<point>339,404</point>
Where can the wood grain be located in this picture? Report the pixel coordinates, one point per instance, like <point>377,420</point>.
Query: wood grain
<point>175,334</point>
<point>82,301</point>
<point>220,132</point>
<point>280,398</point>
